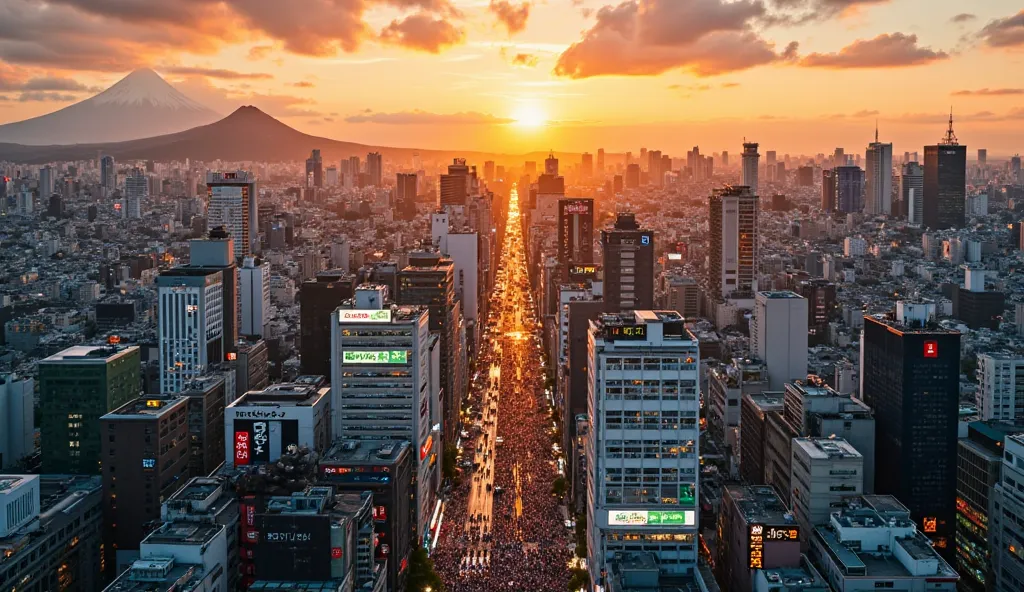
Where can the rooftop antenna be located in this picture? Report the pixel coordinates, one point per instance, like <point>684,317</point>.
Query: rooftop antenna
<point>950,138</point>
<point>876,130</point>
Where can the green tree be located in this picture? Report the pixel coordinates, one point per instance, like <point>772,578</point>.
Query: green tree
<point>422,576</point>
<point>580,579</point>
<point>449,464</point>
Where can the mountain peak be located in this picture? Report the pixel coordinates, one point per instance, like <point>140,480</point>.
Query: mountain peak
<point>144,86</point>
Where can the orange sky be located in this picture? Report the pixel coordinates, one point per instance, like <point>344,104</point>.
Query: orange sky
<point>799,76</point>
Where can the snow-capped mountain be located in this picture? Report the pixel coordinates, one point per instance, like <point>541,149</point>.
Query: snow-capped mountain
<point>140,105</point>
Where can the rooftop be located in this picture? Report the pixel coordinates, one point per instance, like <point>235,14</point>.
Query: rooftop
<point>369,452</point>
<point>817,388</point>
<point>826,448</point>
<point>399,314</point>
<point>779,295</point>
<point>760,503</point>
<point>183,533</point>
<point>89,354</point>
<point>927,329</point>
<point>158,574</point>
<point>304,391</point>
<point>148,407</point>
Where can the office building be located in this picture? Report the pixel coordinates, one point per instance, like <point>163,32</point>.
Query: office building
<point>145,452</point>
<point>232,203</point>
<point>628,265</point>
<point>632,177</point>
<point>375,169</point>
<point>108,174</point>
<point>1005,530</point>
<point>207,396</point>
<point>726,387</point>
<point>910,377</point>
<point>318,298</point>
<point>754,412</point>
<point>655,174</point>
<point>778,336</point>
<point>382,387</point>
<point>821,306</point>
<point>315,170</point>
<point>17,438</point>
<point>51,532</point>
<point>683,295</point>
<point>331,176</point>
<point>384,468</point>
<point>136,190</point>
<point>259,426</point>
<point>208,501</point>
<point>254,296</point>
<point>757,531</point>
<point>734,245</point>
<point>76,387</point>
<point>600,170</point>
<point>849,189</point>
<point>828,190</point>
<point>405,195</point>
<point>1000,394</point>
<point>179,556</point>
<point>878,178</point>
<point>191,319</point>
<point>945,183</point>
<point>587,166</point>
<point>824,472</point>
<point>978,472</point>
<point>872,543</point>
<point>656,435</point>
<point>973,305</point>
<point>1015,170</point>
<point>750,159</point>
<point>575,232</point>
<point>912,191</point>
<point>457,185</point>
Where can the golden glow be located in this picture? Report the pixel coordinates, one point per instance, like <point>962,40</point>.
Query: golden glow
<point>530,116</point>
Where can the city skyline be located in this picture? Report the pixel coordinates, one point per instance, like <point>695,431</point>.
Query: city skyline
<point>503,76</point>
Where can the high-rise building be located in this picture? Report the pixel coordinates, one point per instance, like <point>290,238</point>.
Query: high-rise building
<point>655,173</point>
<point>136,189</point>
<point>945,183</point>
<point>108,174</point>
<point>828,190</point>
<point>1005,530</point>
<point>878,178</point>
<point>757,532</point>
<point>233,204</point>
<point>489,171</point>
<point>912,191</point>
<point>754,412</point>
<point>587,166</point>
<point>824,472</point>
<point>145,460</point>
<point>254,296</point>
<point>664,429</point>
<point>982,157</point>
<point>375,168</point>
<point>457,184</point>
<point>628,265</point>
<point>318,298</point>
<point>575,231</point>
<point>849,189</point>
<point>632,176</point>
<point>599,164</point>
<point>821,304</point>
<point>46,181</point>
<point>76,387</point>
<point>778,336</point>
<point>726,387</point>
<point>315,170</point>
<point>16,419</point>
<point>551,165</point>
<point>1000,394</point>
<point>331,176</point>
<point>725,159</point>
<point>734,244</point>
<point>750,160</point>
<point>910,377</point>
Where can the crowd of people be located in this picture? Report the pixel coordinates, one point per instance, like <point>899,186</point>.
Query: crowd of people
<point>524,545</point>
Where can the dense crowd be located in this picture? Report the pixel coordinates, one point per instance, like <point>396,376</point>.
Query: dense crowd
<point>511,551</point>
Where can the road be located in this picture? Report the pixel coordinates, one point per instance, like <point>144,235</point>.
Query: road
<point>502,527</point>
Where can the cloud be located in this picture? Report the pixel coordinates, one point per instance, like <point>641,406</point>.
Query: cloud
<point>258,52</point>
<point>525,60</point>
<point>417,117</point>
<point>798,12</point>
<point>1005,32</point>
<point>989,92</point>
<point>730,84</point>
<point>963,17</point>
<point>512,16</point>
<point>650,37</point>
<point>215,73</point>
<point>303,84</point>
<point>423,32</point>
<point>226,100</point>
<point>56,83</point>
<point>884,51</point>
<point>46,96</point>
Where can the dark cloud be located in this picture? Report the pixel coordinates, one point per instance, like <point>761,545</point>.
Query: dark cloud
<point>526,60</point>
<point>989,92</point>
<point>1005,32</point>
<point>963,17</point>
<point>513,16</point>
<point>215,73</point>
<point>418,117</point>
<point>884,51</point>
<point>649,37</point>
<point>423,32</point>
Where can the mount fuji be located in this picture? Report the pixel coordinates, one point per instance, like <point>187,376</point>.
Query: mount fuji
<point>140,105</point>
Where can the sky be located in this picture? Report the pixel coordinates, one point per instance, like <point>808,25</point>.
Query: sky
<point>512,76</point>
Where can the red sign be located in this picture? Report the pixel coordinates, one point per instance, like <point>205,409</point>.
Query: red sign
<point>426,447</point>
<point>380,513</point>
<point>242,448</point>
<point>931,349</point>
<point>335,552</point>
<point>232,356</point>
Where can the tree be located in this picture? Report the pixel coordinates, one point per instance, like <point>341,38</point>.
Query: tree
<point>421,573</point>
<point>581,535</point>
<point>580,579</point>
<point>449,462</point>
<point>559,486</point>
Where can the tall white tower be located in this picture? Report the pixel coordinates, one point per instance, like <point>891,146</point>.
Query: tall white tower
<point>750,162</point>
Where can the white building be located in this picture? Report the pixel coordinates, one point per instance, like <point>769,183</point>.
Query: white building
<point>233,205</point>
<point>643,407</point>
<point>186,556</point>
<point>385,383</point>
<point>341,253</point>
<point>190,324</point>
<point>778,336</point>
<point>912,191</point>
<point>1005,530</point>
<point>254,296</point>
<point>823,472</point>
<point>19,502</point>
<point>878,178</point>
<point>1000,393</point>
<point>855,246</point>
<point>750,159</point>
<point>16,419</point>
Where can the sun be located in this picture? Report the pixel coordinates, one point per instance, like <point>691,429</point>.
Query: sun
<point>529,116</point>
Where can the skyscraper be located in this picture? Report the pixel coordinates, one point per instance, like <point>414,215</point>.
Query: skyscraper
<point>778,336</point>
<point>489,170</point>
<point>910,376</point>
<point>551,165</point>
<point>254,296</point>
<point>849,189</point>
<point>828,190</point>
<point>945,182</point>
<point>1015,171</point>
<point>628,265</point>
<point>136,189</point>
<point>315,170</point>
<point>878,177</point>
<point>108,175</point>
<point>191,314</point>
<point>405,195</point>
<point>750,162</point>
<point>632,176</point>
<point>456,185</point>
<point>599,165</point>
<point>575,231</point>
<point>375,168</point>
<point>654,170</point>
<point>733,251</point>
<point>912,191</point>
<point>233,204</point>
<point>982,157</point>
<point>318,298</point>
<point>587,166</point>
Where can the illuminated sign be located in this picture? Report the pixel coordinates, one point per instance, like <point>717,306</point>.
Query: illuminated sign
<point>287,537</point>
<point>114,339</point>
<point>149,463</point>
<point>154,403</point>
<point>335,552</point>
<point>651,518</point>
<point>626,332</point>
<point>380,513</point>
<point>241,448</point>
<point>674,256</point>
<point>686,495</point>
<point>394,356</point>
<point>584,270</point>
<point>232,356</point>
<point>645,239</point>
<point>756,552</point>
<point>931,349</point>
<point>930,524</point>
<point>576,207</point>
<point>260,438</point>
<point>426,447</point>
<point>778,533</point>
<point>364,316</point>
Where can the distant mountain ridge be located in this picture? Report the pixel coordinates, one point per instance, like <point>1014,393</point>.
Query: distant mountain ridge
<point>140,105</point>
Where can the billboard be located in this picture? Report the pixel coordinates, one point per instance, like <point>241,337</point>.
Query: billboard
<point>260,441</point>
<point>652,518</point>
<point>626,333</point>
<point>293,547</point>
<point>392,356</point>
<point>364,316</point>
<point>575,231</point>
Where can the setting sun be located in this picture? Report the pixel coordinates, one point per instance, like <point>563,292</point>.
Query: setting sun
<point>530,116</point>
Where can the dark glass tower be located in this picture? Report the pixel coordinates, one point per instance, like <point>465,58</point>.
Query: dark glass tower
<point>317,300</point>
<point>945,182</point>
<point>575,231</point>
<point>628,265</point>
